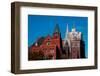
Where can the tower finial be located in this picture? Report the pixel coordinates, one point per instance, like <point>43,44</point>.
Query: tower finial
<point>73,28</point>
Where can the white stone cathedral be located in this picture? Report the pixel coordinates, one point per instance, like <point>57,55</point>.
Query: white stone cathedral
<point>74,46</point>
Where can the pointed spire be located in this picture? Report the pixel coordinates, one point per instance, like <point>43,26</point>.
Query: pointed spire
<point>66,34</point>
<point>57,30</point>
<point>67,29</point>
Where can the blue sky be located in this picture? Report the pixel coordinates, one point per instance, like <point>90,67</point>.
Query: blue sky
<point>42,25</point>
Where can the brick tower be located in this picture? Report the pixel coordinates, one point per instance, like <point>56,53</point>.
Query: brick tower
<point>56,40</point>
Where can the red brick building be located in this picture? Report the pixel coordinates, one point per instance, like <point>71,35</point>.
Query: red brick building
<point>50,46</point>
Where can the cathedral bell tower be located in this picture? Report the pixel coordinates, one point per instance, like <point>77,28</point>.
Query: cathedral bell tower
<point>56,33</point>
<point>57,41</point>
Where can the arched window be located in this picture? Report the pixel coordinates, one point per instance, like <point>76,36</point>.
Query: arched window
<point>48,43</point>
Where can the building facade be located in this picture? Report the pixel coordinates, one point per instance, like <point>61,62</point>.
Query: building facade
<point>53,47</point>
<point>50,46</point>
